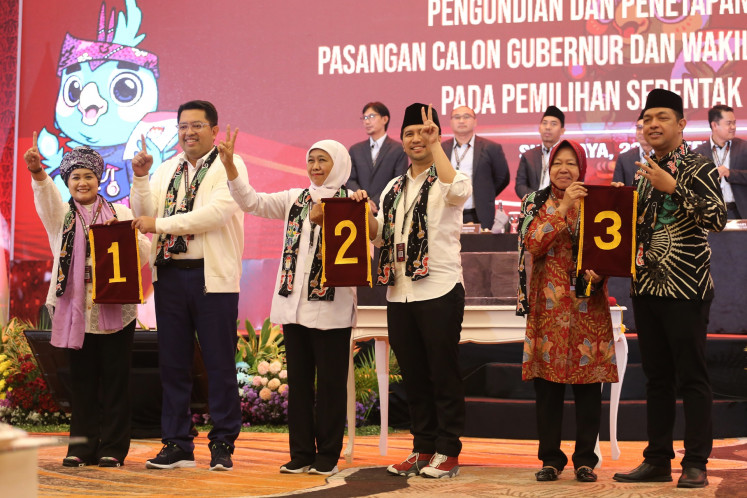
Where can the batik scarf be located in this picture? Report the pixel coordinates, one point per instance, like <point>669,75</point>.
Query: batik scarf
<point>416,263</point>
<point>530,209</point>
<point>69,316</point>
<point>174,244</point>
<point>655,208</point>
<point>298,213</point>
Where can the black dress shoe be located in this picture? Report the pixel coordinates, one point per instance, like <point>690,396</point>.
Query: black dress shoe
<point>585,474</point>
<point>547,474</point>
<point>693,478</point>
<point>645,473</point>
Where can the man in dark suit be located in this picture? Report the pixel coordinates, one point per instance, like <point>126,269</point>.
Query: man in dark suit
<point>626,167</point>
<point>533,173</point>
<point>480,159</point>
<point>378,159</point>
<point>729,154</point>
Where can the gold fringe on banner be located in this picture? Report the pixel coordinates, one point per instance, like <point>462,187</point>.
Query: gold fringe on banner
<point>93,263</point>
<point>368,255</point>
<point>324,247</point>
<point>635,220</point>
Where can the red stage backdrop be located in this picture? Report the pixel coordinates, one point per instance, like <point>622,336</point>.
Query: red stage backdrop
<point>294,72</point>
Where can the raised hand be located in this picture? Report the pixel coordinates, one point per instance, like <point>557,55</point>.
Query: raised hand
<point>430,131</point>
<point>33,158</point>
<point>225,149</point>
<point>142,161</point>
<point>226,146</point>
<point>659,179</point>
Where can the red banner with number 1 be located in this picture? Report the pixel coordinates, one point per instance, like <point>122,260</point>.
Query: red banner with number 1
<point>607,231</point>
<point>116,264</point>
<point>345,246</point>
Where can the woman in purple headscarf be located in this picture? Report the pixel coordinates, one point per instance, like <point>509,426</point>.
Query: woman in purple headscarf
<point>569,329</point>
<point>97,336</point>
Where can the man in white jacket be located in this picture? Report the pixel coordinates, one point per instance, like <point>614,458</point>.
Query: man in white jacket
<point>196,260</point>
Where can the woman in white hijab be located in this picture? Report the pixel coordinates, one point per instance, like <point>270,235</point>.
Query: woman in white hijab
<point>317,321</point>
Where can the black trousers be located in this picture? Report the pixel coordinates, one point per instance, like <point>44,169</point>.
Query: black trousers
<point>550,403</point>
<point>672,338</point>
<point>316,426</point>
<point>183,308</point>
<point>425,338</point>
<point>100,374</point>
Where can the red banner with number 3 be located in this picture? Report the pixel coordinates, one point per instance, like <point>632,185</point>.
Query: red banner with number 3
<point>115,264</point>
<point>345,246</point>
<point>607,231</point>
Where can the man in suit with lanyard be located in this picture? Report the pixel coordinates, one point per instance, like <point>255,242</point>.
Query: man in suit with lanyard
<point>625,167</point>
<point>377,160</point>
<point>533,173</point>
<point>729,154</point>
<point>480,159</point>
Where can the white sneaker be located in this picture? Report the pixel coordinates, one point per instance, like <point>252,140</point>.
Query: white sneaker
<point>441,466</point>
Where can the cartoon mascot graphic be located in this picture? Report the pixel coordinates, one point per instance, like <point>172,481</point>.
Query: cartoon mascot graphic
<point>107,99</point>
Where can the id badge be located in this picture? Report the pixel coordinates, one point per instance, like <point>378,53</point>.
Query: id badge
<point>572,277</point>
<point>87,274</point>
<point>400,249</point>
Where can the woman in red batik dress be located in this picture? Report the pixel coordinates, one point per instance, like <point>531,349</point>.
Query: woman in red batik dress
<point>569,334</point>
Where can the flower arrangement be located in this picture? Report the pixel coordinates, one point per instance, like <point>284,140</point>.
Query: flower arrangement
<point>263,392</point>
<point>261,375</point>
<point>24,396</point>
<point>263,379</point>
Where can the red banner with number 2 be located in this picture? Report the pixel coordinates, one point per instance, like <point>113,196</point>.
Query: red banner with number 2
<point>116,264</point>
<point>607,238</point>
<point>345,246</point>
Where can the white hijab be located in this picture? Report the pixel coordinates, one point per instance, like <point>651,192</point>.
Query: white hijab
<point>339,174</point>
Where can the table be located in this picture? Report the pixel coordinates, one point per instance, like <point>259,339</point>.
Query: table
<point>481,325</point>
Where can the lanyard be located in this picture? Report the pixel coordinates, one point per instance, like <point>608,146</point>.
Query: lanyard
<point>720,160</point>
<point>205,164</point>
<point>86,228</point>
<point>456,154</point>
<point>412,204</point>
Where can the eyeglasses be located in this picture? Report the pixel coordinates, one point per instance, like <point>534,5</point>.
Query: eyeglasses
<point>369,116</point>
<point>197,126</point>
<point>457,117</point>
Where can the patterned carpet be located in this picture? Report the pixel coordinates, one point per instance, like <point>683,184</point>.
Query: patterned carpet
<point>490,467</point>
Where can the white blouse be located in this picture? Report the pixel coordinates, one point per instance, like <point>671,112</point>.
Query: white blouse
<point>52,210</point>
<point>296,307</point>
<point>445,205</point>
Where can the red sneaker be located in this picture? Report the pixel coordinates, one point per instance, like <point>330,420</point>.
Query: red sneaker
<point>441,466</point>
<point>412,465</point>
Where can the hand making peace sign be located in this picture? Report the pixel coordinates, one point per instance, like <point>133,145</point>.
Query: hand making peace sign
<point>430,131</point>
<point>226,146</point>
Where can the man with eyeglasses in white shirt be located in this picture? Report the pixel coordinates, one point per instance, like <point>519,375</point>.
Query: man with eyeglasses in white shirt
<point>533,173</point>
<point>480,159</point>
<point>729,154</point>
<point>625,166</point>
<point>196,265</point>
<point>377,160</point>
